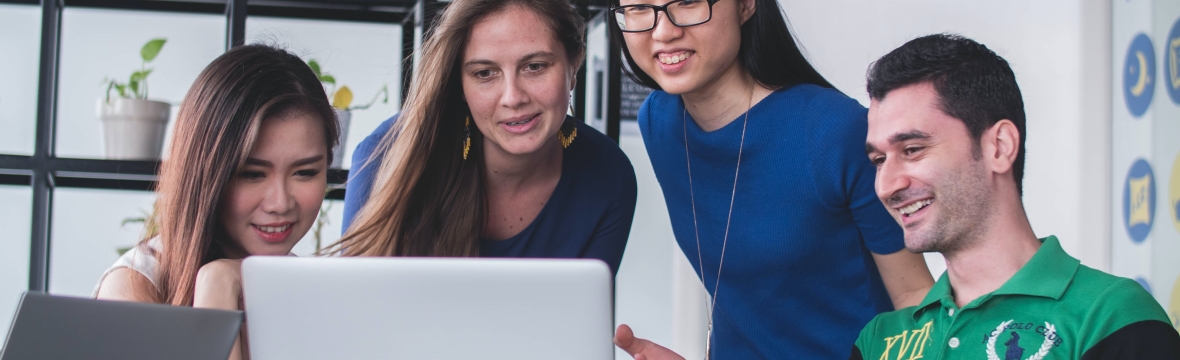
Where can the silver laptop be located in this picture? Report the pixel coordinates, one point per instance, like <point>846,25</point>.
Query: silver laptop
<point>427,308</point>
<point>58,327</point>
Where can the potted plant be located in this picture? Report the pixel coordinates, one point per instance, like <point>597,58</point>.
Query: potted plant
<point>342,103</point>
<point>133,127</point>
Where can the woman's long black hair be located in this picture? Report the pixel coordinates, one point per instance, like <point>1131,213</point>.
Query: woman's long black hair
<point>768,51</point>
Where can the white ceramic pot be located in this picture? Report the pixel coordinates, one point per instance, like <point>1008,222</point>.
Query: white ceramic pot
<point>133,129</point>
<point>344,117</point>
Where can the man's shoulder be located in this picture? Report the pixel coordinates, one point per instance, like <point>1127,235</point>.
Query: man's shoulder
<point>1118,316</point>
<point>890,323</point>
<point>887,331</point>
<point>1113,299</point>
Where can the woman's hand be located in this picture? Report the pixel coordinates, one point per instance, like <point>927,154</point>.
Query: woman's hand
<point>642,349</point>
<point>219,286</point>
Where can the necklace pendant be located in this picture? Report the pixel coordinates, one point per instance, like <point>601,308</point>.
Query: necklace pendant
<point>709,343</point>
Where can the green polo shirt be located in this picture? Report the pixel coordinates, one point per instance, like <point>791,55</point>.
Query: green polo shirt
<point>1052,308</point>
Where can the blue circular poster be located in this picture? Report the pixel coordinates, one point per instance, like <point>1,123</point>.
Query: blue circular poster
<point>1139,75</point>
<point>1139,200</point>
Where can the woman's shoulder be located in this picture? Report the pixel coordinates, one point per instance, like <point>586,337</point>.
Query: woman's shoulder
<point>139,260</point>
<point>826,112</point>
<point>815,98</point>
<point>659,102</point>
<point>596,155</point>
<point>142,258</point>
<point>370,142</point>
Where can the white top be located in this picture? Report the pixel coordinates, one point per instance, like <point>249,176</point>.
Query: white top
<point>139,259</point>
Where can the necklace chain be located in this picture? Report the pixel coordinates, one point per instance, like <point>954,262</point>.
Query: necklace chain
<point>696,231</point>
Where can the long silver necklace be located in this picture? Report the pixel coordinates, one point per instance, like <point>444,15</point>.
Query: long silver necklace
<point>696,231</point>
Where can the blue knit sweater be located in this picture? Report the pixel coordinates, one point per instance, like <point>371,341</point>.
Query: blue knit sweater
<point>798,280</point>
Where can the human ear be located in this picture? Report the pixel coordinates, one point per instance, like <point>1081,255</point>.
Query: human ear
<point>1000,146</point>
<point>747,9</point>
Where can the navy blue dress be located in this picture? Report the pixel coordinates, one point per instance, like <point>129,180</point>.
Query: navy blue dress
<point>588,216</point>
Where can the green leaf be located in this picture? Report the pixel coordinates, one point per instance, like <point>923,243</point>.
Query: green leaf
<point>137,76</point>
<point>315,67</point>
<point>133,85</point>
<point>385,100</point>
<point>122,89</point>
<point>328,79</point>
<point>151,49</point>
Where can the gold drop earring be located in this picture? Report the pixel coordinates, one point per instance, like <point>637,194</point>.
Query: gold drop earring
<point>466,136</point>
<point>568,127</point>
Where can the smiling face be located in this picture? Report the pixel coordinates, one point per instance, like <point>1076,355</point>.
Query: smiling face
<point>274,199</point>
<point>516,80</point>
<point>689,59</point>
<point>929,172</point>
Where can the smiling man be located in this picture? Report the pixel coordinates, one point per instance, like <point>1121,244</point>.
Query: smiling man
<point>946,132</point>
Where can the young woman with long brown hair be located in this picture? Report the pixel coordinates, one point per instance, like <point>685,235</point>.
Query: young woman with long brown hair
<point>482,160</point>
<point>245,175</point>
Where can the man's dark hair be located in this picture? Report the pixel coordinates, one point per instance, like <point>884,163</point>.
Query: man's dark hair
<point>973,84</point>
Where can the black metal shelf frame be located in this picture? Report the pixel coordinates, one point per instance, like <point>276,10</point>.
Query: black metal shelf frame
<point>44,171</point>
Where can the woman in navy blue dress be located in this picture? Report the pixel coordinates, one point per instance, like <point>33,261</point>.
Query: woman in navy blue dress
<point>482,160</point>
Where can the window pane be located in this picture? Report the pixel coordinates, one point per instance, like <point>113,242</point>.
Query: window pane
<point>16,204</point>
<point>20,37</point>
<point>87,233</point>
<point>363,56</point>
<point>99,44</point>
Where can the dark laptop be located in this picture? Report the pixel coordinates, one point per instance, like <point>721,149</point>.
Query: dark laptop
<point>59,327</point>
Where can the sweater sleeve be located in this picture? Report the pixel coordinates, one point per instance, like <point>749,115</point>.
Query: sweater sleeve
<point>364,168</point>
<point>845,176</point>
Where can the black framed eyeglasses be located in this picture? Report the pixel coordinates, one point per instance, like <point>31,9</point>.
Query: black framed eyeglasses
<point>682,13</point>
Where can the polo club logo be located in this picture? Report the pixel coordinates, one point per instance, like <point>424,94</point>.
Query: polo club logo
<point>1014,351</point>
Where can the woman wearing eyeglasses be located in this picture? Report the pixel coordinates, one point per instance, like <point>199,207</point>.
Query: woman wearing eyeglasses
<point>763,170</point>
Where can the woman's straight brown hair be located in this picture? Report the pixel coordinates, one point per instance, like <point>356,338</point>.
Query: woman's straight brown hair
<point>215,131</point>
<point>427,200</point>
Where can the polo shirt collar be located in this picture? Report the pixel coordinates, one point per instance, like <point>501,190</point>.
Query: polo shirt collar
<point>941,291</point>
<point>1048,273</point>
